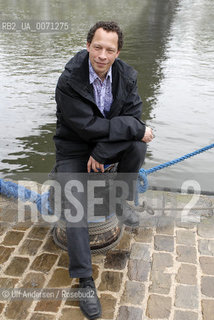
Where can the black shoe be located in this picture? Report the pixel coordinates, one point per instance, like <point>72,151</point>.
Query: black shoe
<point>127,215</point>
<point>90,304</point>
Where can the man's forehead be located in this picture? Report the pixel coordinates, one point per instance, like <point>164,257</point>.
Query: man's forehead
<point>100,33</point>
<point>108,38</point>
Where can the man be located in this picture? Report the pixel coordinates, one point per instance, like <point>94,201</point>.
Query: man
<point>98,122</point>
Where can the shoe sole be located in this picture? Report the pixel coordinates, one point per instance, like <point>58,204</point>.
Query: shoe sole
<point>94,316</point>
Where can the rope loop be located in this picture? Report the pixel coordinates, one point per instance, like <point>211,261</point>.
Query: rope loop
<point>142,184</point>
<point>142,177</point>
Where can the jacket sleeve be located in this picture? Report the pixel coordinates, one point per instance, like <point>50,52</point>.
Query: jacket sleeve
<point>133,109</point>
<point>78,115</point>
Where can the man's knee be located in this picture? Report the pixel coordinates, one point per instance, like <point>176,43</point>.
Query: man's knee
<point>138,149</point>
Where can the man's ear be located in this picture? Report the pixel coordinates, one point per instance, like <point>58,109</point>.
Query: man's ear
<point>118,52</point>
<point>88,46</point>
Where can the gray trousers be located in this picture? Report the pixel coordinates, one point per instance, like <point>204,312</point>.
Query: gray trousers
<point>130,157</point>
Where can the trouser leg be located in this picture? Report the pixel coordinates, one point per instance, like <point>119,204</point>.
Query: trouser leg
<point>130,164</point>
<point>78,243</point>
<point>133,157</point>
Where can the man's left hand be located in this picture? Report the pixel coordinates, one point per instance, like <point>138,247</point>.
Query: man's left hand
<point>95,165</point>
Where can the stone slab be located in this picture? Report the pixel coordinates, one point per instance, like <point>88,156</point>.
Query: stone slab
<point>207,309</point>
<point>164,243</point>
<point>158,307</point>
<point>186,254</point>
<point>186,297</point>
<point>111,281</point>
<point>129,313</point>
<point>185,315</point>
<point>187,274</point>
<point>133,293</point>
<point>207,286</point>
<point>206,247</point>
<point>207,265</point>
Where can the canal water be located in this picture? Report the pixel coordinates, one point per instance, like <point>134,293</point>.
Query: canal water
<point>169,42</point>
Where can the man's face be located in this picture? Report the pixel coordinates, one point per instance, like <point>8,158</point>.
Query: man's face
<point>103,50</point>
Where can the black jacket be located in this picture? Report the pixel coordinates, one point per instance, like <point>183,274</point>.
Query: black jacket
<point>81,127</point>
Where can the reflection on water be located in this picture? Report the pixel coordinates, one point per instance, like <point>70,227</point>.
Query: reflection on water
<point>170,43</point>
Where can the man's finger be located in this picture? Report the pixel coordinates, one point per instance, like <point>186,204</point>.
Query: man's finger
<point>94,166</point>
<point>89,166</point>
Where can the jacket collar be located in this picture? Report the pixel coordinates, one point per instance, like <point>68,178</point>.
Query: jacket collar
<point>93,75</point>
<point>77,73</point>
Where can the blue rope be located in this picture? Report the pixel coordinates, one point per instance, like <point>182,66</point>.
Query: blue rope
<point>11,189</point>
<point>142,177</point>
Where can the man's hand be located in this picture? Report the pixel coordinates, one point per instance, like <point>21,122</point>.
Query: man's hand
<point>148,136</point>
<point>93,164</point>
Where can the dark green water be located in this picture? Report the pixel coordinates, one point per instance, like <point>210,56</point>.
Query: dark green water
<point>169,43</point>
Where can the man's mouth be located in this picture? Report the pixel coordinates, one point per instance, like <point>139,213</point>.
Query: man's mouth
<point>101,64</point>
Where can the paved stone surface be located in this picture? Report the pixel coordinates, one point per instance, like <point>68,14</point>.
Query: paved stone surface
<point>60,279</point>
<point>144,235</point>
<point>5,253</point>
<point>30,247</point>
<point>186,254</point>
<point>42,316</point>
<point>129,313</point>
<point>186,297</point>
<point>158,307</point>
<point>206,247</point>
<point>138,270</point>
<point>161,282</point>
<point>110,281</point>
<point>133,293</point>
<point>33,280</point>
<point>48,305</point>
<point>140,252</point>
<point>185,315</point>
<point>187,274</point>
<point>108,306</point>
<point>164,243</point>
<point>116,260</point>
<point>12,238</point>
<point>205,229</point>
<point>18,309</point>
<point>71,313</point>
<point>17,266</point>
<point>207,265</point>
<point>161,261</point>
<point>207,286</point>
<point>162,270</point>
<point>125,242</point>
<point>165,228</point>
<point>207,309</point>
<point>44,262</point>
<point>186,237</point>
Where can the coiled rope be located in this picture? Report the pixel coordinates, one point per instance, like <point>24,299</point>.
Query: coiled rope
<point>142,177</point>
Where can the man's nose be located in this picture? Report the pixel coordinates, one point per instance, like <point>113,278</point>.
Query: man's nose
<point>102,54</point>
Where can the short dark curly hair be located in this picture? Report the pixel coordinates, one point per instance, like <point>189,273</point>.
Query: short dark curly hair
<point>107,26</point>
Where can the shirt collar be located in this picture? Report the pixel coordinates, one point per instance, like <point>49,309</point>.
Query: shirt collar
<point>93,76</point>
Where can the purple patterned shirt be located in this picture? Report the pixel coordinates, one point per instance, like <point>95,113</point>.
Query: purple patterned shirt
<point>102,90</point>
